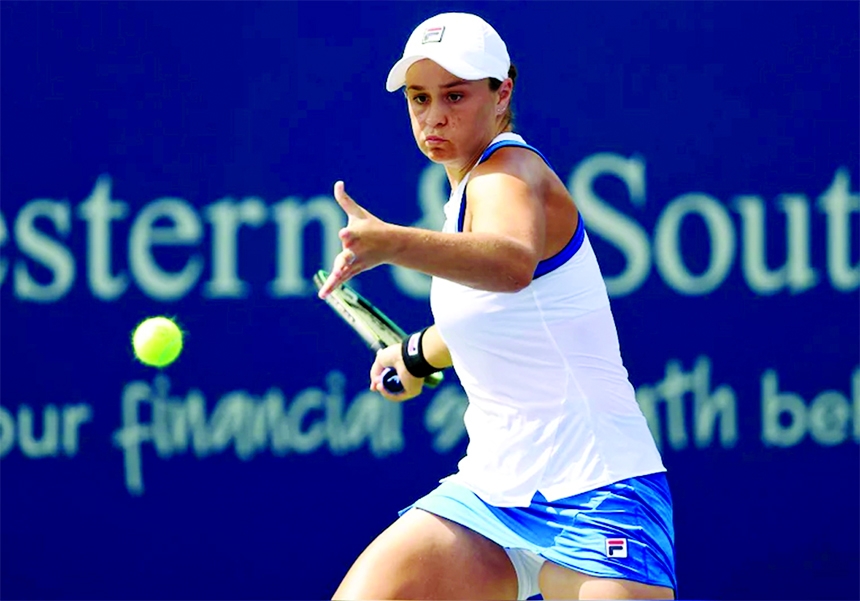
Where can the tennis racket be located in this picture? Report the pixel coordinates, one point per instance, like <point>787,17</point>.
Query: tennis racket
<point>372,325</point>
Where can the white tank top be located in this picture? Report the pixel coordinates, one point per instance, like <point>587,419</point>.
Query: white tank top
<point>551,408</point>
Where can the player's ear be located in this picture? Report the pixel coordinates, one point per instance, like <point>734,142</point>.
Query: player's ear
<point>505,93</point>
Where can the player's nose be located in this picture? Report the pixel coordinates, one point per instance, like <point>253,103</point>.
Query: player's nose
<point>437,115</point>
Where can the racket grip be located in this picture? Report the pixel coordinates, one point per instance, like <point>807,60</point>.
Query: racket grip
<point>391,381</point>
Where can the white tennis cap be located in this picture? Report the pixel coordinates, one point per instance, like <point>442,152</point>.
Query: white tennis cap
<point>464,45</point>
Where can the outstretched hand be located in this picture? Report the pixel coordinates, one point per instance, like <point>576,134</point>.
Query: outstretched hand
<point>363,240</point>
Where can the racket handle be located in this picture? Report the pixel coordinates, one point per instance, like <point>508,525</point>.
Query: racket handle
<point>391,381</point>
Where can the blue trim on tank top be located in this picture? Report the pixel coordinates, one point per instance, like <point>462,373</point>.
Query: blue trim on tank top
<point>484,156</point>
<point>573,245</point>
<point>562,256</point>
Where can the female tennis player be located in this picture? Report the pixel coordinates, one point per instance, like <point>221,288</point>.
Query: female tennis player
<point>562,490</point>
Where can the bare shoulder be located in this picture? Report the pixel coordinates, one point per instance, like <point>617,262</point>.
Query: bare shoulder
<point>517,183</point>
<point>510,172</point>
<point>514,167</point>
<point>509,186</point>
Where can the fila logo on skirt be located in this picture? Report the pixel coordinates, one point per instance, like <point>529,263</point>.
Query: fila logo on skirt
<point>616,547</point>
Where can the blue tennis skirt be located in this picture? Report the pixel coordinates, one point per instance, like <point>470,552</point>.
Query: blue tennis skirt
<point>623,530</point>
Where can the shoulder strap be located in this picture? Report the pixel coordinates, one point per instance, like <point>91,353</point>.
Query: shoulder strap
<point>484,156</point>
<point>503,143</point>
<point>547,265</point>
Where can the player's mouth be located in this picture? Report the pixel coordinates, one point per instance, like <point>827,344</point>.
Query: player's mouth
<point>434,140</point>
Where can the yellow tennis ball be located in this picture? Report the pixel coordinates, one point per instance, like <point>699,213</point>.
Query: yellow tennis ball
<point>157,341</point>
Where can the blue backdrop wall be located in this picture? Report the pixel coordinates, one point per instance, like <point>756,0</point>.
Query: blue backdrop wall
<point>178,158</point>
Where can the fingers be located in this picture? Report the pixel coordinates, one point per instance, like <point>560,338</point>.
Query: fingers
<point>389,357</point>
<point>411,388</point>
<point>349,206</point>
<point>330,284</point>
<point>334,281</point>
<point>400,396</point>
<point>376,371</point>
<point>341,272</point>
<point>347,263</point>
<point>377,386</point>
<point>382,362</point>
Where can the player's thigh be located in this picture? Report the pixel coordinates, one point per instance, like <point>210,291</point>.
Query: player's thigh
<point>558,582</point>
<point>423,556</point>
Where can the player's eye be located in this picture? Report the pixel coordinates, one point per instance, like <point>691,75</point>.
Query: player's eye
<point>420,98</point>
<point>455,96</point>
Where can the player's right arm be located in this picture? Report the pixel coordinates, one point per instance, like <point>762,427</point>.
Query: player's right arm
<point>435,352</point>
<point>503,239</point>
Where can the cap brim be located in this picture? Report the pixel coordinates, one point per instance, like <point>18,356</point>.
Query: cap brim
<point>397,75</point>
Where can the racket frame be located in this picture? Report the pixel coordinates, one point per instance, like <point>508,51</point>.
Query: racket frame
<point>373,326</point>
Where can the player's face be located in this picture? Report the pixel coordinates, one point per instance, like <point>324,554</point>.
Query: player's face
<point>453,120</point>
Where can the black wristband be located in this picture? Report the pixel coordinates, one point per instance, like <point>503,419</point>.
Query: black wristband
<point>412,350</point>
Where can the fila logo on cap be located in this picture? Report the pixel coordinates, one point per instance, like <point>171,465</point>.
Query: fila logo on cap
<point>432,34</point>
<point>616,547</point>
